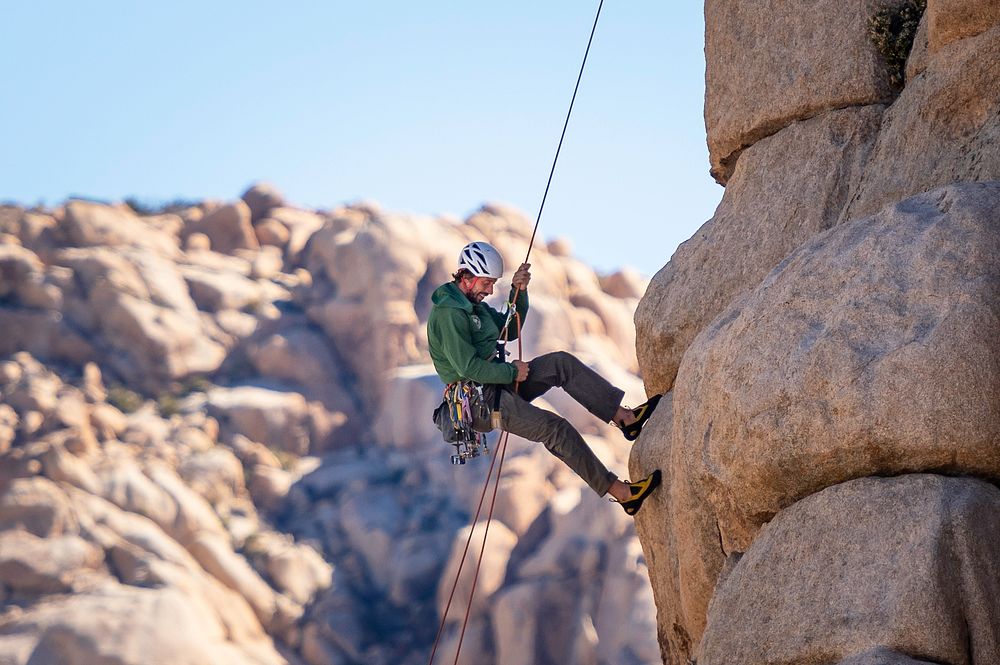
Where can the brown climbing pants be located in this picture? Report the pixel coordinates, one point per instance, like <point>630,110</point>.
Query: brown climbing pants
<point>584,385</point>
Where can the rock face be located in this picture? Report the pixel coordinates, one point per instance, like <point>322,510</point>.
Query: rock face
<point>216,452</point>
<point>786,189</point>
<point>833,324</point>
<point>841,601</point>
<point>773,63</point>
<point>860,376</point>
<point>943,128</point>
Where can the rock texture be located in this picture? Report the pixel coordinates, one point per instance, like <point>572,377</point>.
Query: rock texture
<point>945,126</point>
<point>216,449</point>
<point>772,63</point>
<point>786,189</point>
<point>835,322</point>
<point>871,377</point>
<point>842,601</point>
<point>951,20</point>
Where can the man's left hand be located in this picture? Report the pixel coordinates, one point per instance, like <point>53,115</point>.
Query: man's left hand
<point>522,276</point>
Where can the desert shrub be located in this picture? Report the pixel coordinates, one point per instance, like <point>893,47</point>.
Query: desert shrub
<point>892,30</point>
<point>168,405</point>
<point>146,208</point>
<point>123,399</point>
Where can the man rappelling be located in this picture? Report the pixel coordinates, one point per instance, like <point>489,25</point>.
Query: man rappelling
<point>463,332</point>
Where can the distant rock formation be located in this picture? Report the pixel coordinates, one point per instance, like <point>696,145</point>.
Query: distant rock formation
<point>216,445</point>
<point>835,323</point>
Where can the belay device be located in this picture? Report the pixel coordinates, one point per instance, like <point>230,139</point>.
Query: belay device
<point>454,418</point>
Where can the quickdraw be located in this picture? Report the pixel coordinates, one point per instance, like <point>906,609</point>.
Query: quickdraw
<point>461,398</point>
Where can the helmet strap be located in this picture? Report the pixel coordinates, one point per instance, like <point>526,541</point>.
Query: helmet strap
<point>472,285</point>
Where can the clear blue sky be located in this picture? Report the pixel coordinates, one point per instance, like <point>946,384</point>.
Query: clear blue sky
<point>428,107</point>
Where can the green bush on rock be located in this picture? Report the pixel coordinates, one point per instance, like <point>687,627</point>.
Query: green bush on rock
<point>892,31</point>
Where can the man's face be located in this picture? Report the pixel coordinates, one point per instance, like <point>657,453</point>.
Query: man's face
<point>478,288</point>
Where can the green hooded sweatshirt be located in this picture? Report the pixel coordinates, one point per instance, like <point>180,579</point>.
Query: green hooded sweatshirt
<point>462,337</point>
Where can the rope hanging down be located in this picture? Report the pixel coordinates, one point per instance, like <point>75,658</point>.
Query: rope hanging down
<point>511,312</point>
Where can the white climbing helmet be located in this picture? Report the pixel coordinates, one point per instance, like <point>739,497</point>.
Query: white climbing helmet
<point>481,259</point>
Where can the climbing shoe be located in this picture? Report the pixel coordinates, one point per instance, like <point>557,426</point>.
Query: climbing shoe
<point>642,414</point>
<point>640,491</point>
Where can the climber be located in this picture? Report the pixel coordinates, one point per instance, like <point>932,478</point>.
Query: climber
<point>463,331</point>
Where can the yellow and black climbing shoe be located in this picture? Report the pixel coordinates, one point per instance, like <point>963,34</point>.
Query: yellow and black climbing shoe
<point>642,414</point>
<point>640,491</point>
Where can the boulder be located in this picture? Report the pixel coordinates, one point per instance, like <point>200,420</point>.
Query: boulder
<point>543,622</point>
<point>916,61</point>
<point>44,334</point>
<point>34,565</point>
<point>260,197</point>
<point>215,474</point>
<point>135,626</point>
<point>561,247</point>
<point>416,564</point>
<point>213,291</point>
<point>336,633</point>
<point>197,242</point>
<point>478,641</point>
<point>296,353</point>
<point>239,262</point>
<point>625,283</point>
<point>869,351</point>
<point>217,557</point>
<point>294,569</point>
<point>129,529</point>
<point>277,419</point>
<point>8,427</point>
<point>267,263</point>
<point>125,485</point>
<point>492,568</point>
<point>228,228</point>
<point>62,466</point>
<point>301,225</point>
<point>195,517</point>
<point>140,306</point>
<point>861,565</point>
<point>943,128</point>
<point>770,64</point>
<point>405,420</point>
<point>789,187</point>
<point>38,506</point>
<point>271,233</point>
<point>951,20</point>
<point>108,421</point>
<point>625,617</point>
<point>615,316</point>
<point>372,523</point>
<point>524,493</point>
<point>96,225</point>
<point>268,486</point>
<point>374,272</point>
<point>882,656</point>
<point>18,266</point>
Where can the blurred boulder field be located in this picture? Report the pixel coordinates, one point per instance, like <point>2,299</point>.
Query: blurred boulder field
<point>216,444</point>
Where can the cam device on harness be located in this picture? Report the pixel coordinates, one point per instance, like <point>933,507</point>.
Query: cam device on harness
<point>454,417</point>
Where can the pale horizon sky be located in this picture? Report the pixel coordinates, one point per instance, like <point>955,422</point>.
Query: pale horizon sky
<point>431,108</point>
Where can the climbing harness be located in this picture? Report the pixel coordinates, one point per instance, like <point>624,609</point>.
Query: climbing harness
<point>512,315</point>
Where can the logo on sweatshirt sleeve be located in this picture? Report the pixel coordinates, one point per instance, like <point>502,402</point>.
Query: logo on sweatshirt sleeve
<point>476,323</point>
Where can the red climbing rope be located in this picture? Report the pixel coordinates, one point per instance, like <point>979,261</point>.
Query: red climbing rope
<point>511,312</point>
